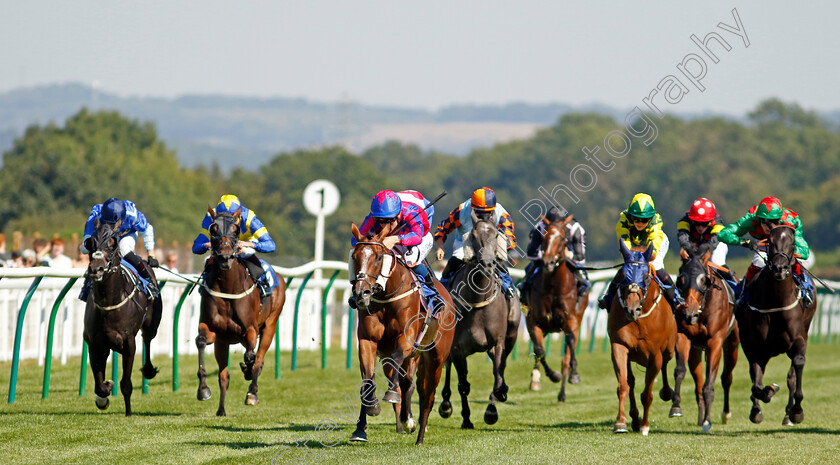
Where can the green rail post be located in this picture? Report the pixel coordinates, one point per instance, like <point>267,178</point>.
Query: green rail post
<point>547,344</point>
<point>324,321</point>
<point>115,371</point>
<point>19,335</point>
<point>277,338</point>
<point>350,321</point>
<point>515,344</point>
<point>83,372</point>
<point>45,391</point>
<point>295,326</point>
<point>829,326</point>
<point>592,333</point>
<point>175,321</point>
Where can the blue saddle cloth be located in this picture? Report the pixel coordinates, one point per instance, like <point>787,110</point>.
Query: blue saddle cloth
<point>144,283</point>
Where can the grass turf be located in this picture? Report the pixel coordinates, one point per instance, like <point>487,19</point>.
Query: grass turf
<point>173,427</point>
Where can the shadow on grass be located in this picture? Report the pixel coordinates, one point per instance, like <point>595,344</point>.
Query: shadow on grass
<point>239,429</point>
<point>92,412</point>
<point>236,445</point>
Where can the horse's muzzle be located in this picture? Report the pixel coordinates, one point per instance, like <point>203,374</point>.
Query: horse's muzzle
<point>691,319</point>
<point>225,262</point>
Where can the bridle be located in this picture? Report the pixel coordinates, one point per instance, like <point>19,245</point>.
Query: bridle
<point>558,256</point>
<point>376,288</point>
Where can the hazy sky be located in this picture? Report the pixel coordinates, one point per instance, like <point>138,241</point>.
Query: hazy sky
<point>426,53</point>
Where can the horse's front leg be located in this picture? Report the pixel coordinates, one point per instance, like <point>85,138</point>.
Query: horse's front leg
<point>396,362</point>
<point>651,372</point>
<point>149,331</point>
<point>794,413</point>
<point>683,348</point>
<point>367,388</point>
<point>730,358</point>
<point>759,391</point>
<point>406,419</point>
<point>265,342</point>
<point>460,362</point>
<point>126,388</point>
<point>621,365</point>
<point>205,337</point>
<point>491,414</point>
<point>222,353</point>
<point>713,355</point>
<point>102,388</point>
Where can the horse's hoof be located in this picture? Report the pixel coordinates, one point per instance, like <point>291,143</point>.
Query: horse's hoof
<point>251,399</point>
<point>391,397</point>
<point>149,371</point>
<point>491,415</point>
<point>636,424</point>
<point>561,396</point>
<point>246,371</point>
<point>535,386</point>
<point>501,394</point>
<point>675,412</point>
<point>410,426</point>
<point>645,430</point>
<point>756,416</point>
<point>707,426</point>
<point>445,409</point>
<point>797,417</point>
<point>374,410</point>
<point>358,436</point>
<point>102,403</point>
<point>786,421</point>
<point>221,413</point>
<point>204,393</point>
<point>620,428</point>
<point>575,379</point>
<point>555,376</point>
<point>467,425</point>
<point>769,392</point>
<point>666,394</point>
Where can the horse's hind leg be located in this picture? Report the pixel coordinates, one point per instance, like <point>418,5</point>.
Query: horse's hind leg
<point>730,358</point>
<point>683,348</point>
<point>538,338</point>
<point>149,330</point>
<point>205,337</point>
<point>445,409</point>
<point>126,388</point>
<point>259,361</point>
<point>572,339</point>
<point>222,353</point>
<point>460,362</point>
<point>428,377</point>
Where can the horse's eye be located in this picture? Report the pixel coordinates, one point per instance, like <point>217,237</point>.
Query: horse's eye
<point>214,229</point>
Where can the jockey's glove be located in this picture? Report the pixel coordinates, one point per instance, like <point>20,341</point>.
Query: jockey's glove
<point>749,243</point>
<point>153,262</point>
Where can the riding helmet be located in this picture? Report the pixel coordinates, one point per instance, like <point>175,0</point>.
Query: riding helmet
<point>702,210</point>
<point>113,210</point>
<point>770,208</point>
<point>386,204</point>
<point>228,204</point>
<point>642,206</point>
<point>483,200</point>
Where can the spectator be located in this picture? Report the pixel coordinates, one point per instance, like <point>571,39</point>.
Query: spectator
<point>171,262</point>
<point>56,258</point>
<point>5,258</point>
<point>42,249</point>
<point>29,258</point>
<point>17,260</point>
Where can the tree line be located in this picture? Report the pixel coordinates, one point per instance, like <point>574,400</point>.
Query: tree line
<point>54,174</point>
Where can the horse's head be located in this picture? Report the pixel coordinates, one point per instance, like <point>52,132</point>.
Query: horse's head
<point>224,237</point>
<point>554,244</point>
<point>483,241</point>
<point>693,282</point>
<point>104,249</point>
<point>780,252</point>
<point>369,260</point>
<point>634,280</point>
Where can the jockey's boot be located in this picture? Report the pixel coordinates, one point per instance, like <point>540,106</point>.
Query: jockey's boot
<point>533,249</point>
<point>434,300</point>
<point>507,282</point>
<point>670,291</point>
<point>527,282</point>
<point>145,271</point>
<point>743,287</point>
<point>805,284</point>
<point>86,287</point>
<point>452,266</point>
<point>583,284</point>
<point>254,266</point>
<point>605,301</point>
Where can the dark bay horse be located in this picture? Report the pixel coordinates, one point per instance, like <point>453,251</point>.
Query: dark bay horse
<point>707,326</point>
<point>554,305</point>
<point>775,323</point>
<point>231,313</point>
<point>642,329</point>
<point>116,310</point>
<point>392,324</point>
<point>489,323</point>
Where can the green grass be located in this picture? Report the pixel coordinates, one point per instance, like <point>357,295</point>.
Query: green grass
<point>173,427</point>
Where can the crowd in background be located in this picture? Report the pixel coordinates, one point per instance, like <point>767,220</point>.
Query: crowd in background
<point>51,253</point>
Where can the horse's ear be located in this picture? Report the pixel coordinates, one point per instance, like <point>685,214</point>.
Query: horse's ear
<point>385,232</point>
<point>545,221</point>
<point>568,219</point>
<point>648,252</point>
<point>355,230</point>
<point>238,215</point>
<point>212,213</point>
<point>96,224</point>
<point>625,252</point>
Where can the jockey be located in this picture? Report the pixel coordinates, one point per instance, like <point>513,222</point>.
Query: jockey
<point>413,239</point>
<point>699,226</point>
<point>253,237</point>
<point>483,203</point>
<point>575,249</point>
<point>641,225</point>
<point>758,222</point>
<point>130,221</point>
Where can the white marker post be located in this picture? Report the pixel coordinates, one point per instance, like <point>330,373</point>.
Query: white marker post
<point>320,198</point>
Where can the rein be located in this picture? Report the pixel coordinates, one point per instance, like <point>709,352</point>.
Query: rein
<point>392,297</point>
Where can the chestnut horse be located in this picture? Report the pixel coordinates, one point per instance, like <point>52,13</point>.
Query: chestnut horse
<point>393,325</point>
<point>642,330</point>
<point>776,322</point>
<point>707,325</point>
<point>490,321</point>
<point>554,305</point>
<point>231,313</point>
<point>116,309</point>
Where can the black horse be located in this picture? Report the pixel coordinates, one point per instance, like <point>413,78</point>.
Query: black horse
<point>490,322</point>
<point>776,322</point>
<point>116,309</point>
